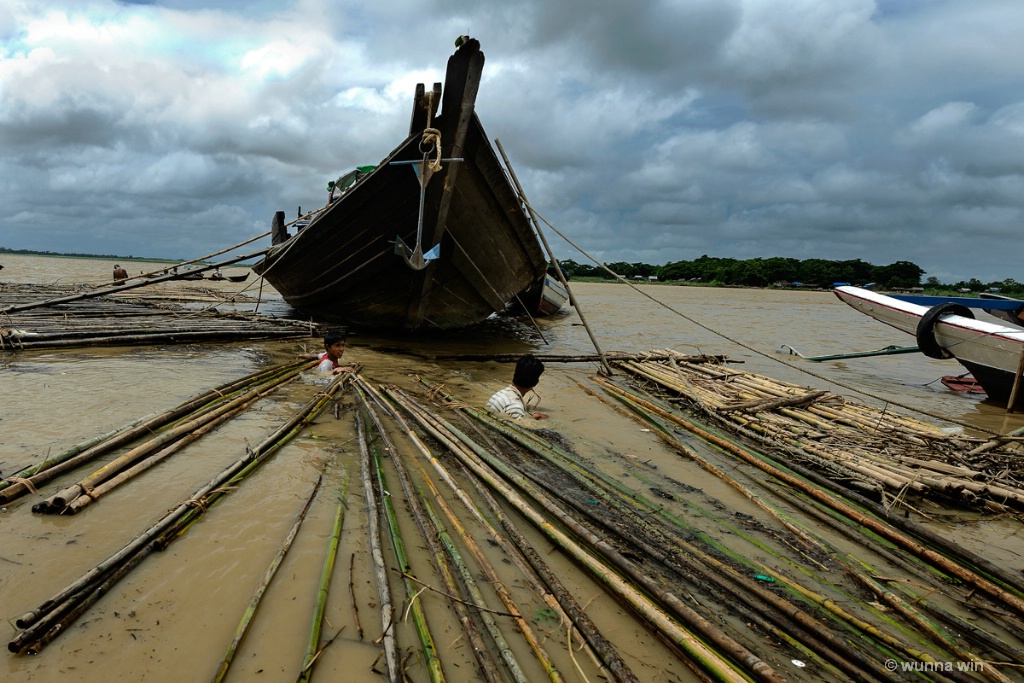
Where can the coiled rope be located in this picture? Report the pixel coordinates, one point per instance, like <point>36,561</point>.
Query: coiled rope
<point>431,136</point>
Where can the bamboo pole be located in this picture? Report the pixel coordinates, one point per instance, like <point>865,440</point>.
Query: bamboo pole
<point>257,456</point>
<point>506,653</point>
<point>925,625</point>
<point>543,581</point>
<point>171,337</point>
<point>268,576</point>
<point>89,450</point>
<point>982,638</point>
<point>652,554</point>
<point>433,663</point>
<point>642,578</point>
<point>443,563</point>
<point>666,436</point>
<point>554,261</point>
<point>373,508</point>
<point>529,440</point>
<point>660,553</point>
<point>659,619</point>
<point>312,649</point>
<point>59,501</point>
<point>466,576</point>
<point>876,526</point>
<point>97,492</point>
<point>54,611</point>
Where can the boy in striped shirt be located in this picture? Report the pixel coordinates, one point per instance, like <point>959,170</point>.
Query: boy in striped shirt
<point>509,401</point>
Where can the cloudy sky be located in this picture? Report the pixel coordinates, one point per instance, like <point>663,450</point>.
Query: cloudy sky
<point>653,130</point>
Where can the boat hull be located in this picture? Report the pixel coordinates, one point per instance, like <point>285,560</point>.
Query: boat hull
<point>343,265</point>
<point>552,297</point>
<point>990,351</point>
<point>546,297</point>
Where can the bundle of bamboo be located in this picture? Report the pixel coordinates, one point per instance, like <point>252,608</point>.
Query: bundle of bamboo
<point>621,526</point>
<point>169,431</point>
<point>117,321</point>
<point>874,450</point>
<point>809,581</point>
<point>44,623</point>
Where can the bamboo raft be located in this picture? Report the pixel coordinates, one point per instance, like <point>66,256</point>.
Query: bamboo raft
<point>880,453</point>
<point>818,579</point>
<point>127,319</point>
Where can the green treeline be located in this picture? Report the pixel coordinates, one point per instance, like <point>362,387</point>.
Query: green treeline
<point>713,271</point>
<point>766,272</point>
<point>112,257</point>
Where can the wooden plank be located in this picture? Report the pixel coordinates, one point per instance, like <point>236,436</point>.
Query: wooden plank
<point>424,108</point>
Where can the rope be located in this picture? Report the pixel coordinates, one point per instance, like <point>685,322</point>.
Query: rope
<point>432,136</point>
<point>883,400</point>
<point>27,483</point>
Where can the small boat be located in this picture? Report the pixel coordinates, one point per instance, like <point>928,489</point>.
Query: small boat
<point>546,297</point>
<point>219,276</point>
<point>1005,308</point>
<point>990,351</point>
<point>1009,309</point>
<point>434,237</point>
<point>963,383</point>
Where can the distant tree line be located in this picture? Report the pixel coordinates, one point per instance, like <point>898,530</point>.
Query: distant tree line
<point>756,272</point>
<point>766,272</point>
<point>112,257</point>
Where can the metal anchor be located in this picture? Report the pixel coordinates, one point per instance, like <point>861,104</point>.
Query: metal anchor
<point>415,258</point>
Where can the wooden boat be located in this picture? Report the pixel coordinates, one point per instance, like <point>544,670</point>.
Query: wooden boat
<point>1009,309</point>
<point>1005,308</point>
<point>230,278</point>
<point>433,237</point>
<point>990,351</point>
<point>546,297</point>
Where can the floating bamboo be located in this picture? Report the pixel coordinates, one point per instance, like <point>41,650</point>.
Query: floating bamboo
<point>57,612</point>
<point>268,576</point>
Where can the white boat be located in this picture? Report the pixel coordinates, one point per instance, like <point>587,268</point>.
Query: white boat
<point>552,297</point>
<point>990,351</point>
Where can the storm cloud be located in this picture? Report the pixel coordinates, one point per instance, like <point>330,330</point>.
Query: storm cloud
<point>878,130</point>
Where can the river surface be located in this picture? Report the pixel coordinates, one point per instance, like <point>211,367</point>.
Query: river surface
<point>171,619</point>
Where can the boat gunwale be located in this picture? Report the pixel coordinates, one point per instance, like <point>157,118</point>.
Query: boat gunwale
<point>907,309</point>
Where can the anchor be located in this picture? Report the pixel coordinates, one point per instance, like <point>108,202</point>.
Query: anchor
<point>415,258</point>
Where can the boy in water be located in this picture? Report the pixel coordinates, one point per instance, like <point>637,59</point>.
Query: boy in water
<point>334,349</point>
<point>509,401</point>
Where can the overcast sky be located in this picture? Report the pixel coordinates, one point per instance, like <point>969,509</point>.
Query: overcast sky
<point>646,130</point>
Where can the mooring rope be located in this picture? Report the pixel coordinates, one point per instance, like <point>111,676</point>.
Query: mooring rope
<point>431,136</point>
<point>884,400</point>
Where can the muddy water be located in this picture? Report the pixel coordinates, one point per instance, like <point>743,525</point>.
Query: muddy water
<point>172,618</point>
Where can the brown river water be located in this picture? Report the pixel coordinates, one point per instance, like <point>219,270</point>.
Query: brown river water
<point>172,618</point>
